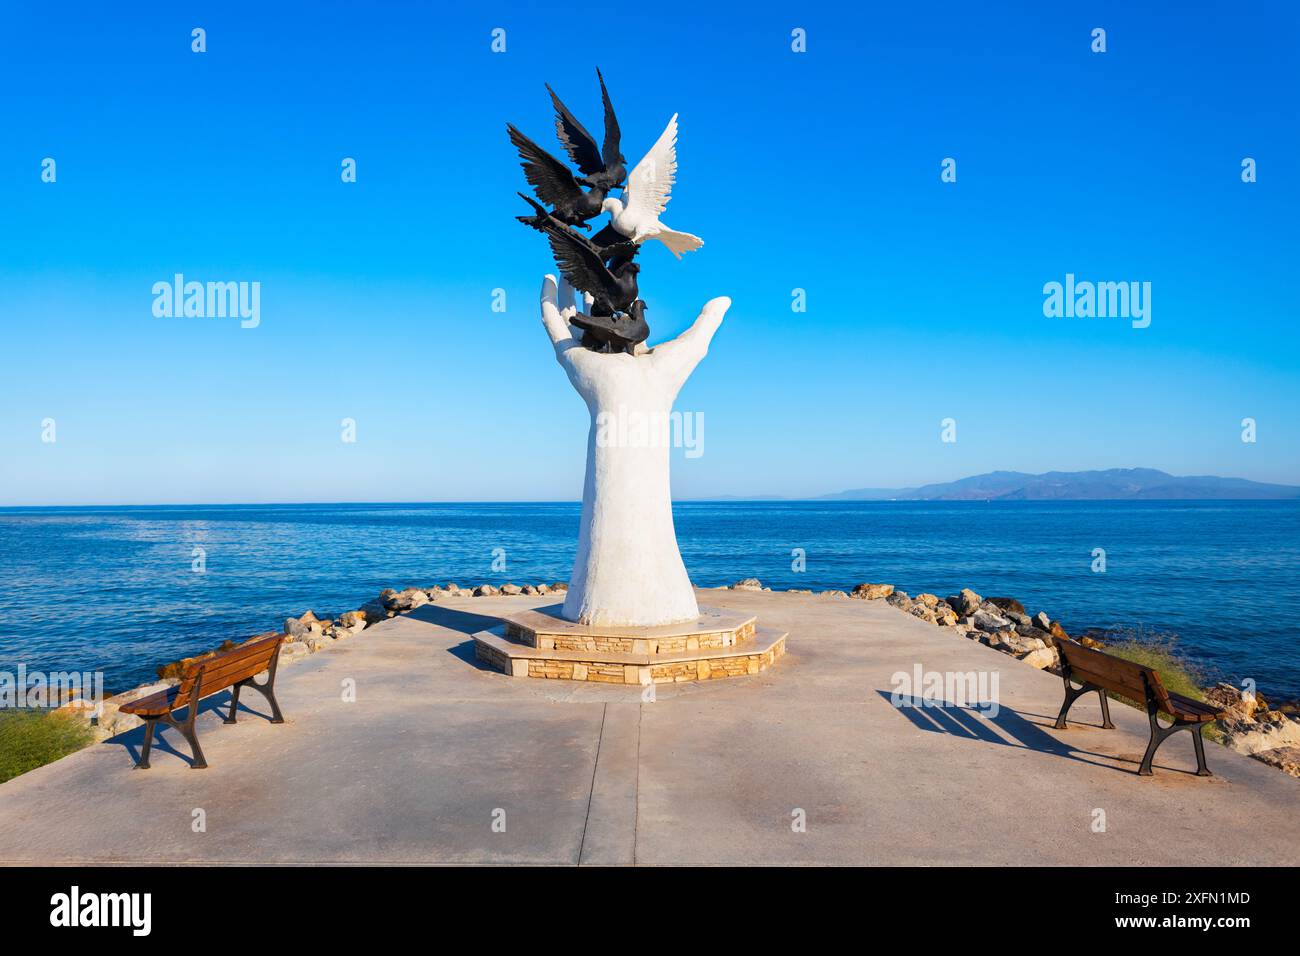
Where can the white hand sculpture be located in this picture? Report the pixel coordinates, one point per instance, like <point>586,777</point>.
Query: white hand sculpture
<point>628,570</point>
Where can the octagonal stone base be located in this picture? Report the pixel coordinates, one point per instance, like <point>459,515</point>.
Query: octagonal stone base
<point>540,643</point>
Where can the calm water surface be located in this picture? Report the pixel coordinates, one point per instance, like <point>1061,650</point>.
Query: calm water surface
<point>112,589</point>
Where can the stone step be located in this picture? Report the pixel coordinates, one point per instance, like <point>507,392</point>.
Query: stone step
<point>511,657</point>
<point>545,629</point>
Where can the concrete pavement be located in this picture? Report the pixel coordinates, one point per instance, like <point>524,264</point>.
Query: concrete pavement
<point>441,761</point>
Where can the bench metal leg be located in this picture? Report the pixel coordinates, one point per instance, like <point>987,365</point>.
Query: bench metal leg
<point>267,690</point>
<point>1199,742</point>
<point>1160,734</point>
<point>1074,693</point>
<point>200,762</point>
<point>234,704</point>
<point>186,729</point>
<point>143,762</point>
<point>1105,711</point>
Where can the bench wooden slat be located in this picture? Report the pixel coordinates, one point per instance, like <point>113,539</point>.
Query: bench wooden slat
<point>219,672</point>
<point>1190,709</point>
<point>1113,673</point>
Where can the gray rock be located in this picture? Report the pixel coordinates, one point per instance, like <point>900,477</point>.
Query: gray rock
<point>748,584</point>
<point>900,600</point>
<point>987,621</point>
<point>295,628</point>
<point>1016,617</point>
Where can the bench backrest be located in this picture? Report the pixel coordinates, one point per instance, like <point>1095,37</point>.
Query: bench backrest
<point>227,668</point>
<point>1113,673</point>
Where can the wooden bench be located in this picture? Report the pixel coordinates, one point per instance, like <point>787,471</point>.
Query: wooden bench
<point>233,669</point>
<point>1102,672</point>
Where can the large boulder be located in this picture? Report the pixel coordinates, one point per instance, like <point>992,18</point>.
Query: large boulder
<point>899,599</point>
<point>929,600</point>
<point>352,619</point>
<point>295,628</point>
<point>1042,658</point>
<point>923,612</point>
<point>989,622</point>
<point>1007,604</point>
<point>511,589</point>
<point>374,612</point>
<point>872,592</point>
<point>944,616</point>
<point>484,590</point>
<point>966,603</point>
<point>1253,736</point>
<point>1228,698</point>
<point>407,600</point>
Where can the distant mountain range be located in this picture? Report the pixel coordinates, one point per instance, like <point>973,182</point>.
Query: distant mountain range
<point>1139,484</point>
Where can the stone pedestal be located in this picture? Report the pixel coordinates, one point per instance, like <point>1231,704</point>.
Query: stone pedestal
<point>542,643</point>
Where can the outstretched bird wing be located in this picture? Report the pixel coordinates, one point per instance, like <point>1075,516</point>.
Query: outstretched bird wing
<point>573,136</point>
<point>651,182</point>
<point>581,264</point>
<point>610,153</point>
<point>546,174</point>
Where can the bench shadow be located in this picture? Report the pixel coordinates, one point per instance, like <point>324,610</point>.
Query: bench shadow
<point>972,723</point>
<point>464,622</point>
<point>132,741</point>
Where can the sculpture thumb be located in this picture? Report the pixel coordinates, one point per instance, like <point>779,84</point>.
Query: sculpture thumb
<point>556,327</point>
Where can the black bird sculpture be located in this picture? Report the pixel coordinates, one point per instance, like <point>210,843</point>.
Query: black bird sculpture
<point>555,184</point>
<point>613,248</point>
<point>612,290</point>
<point>614,334</point>
<point>604,167</point>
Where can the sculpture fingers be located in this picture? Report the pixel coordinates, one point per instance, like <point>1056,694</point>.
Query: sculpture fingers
<point>566,296</point>
<point>557,326</point>
<point>679,357</point>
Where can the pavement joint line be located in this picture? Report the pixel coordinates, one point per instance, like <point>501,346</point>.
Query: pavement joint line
<point>595,765</point>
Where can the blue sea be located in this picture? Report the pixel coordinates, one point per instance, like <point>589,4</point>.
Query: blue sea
<point>114,589</point>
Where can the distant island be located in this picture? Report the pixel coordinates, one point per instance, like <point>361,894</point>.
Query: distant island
<point>1138,484</point>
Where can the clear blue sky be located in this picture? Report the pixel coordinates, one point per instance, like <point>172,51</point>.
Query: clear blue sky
<point>817,170</point>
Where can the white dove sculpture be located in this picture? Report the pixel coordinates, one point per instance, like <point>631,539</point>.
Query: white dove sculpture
<point>647,193</point>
